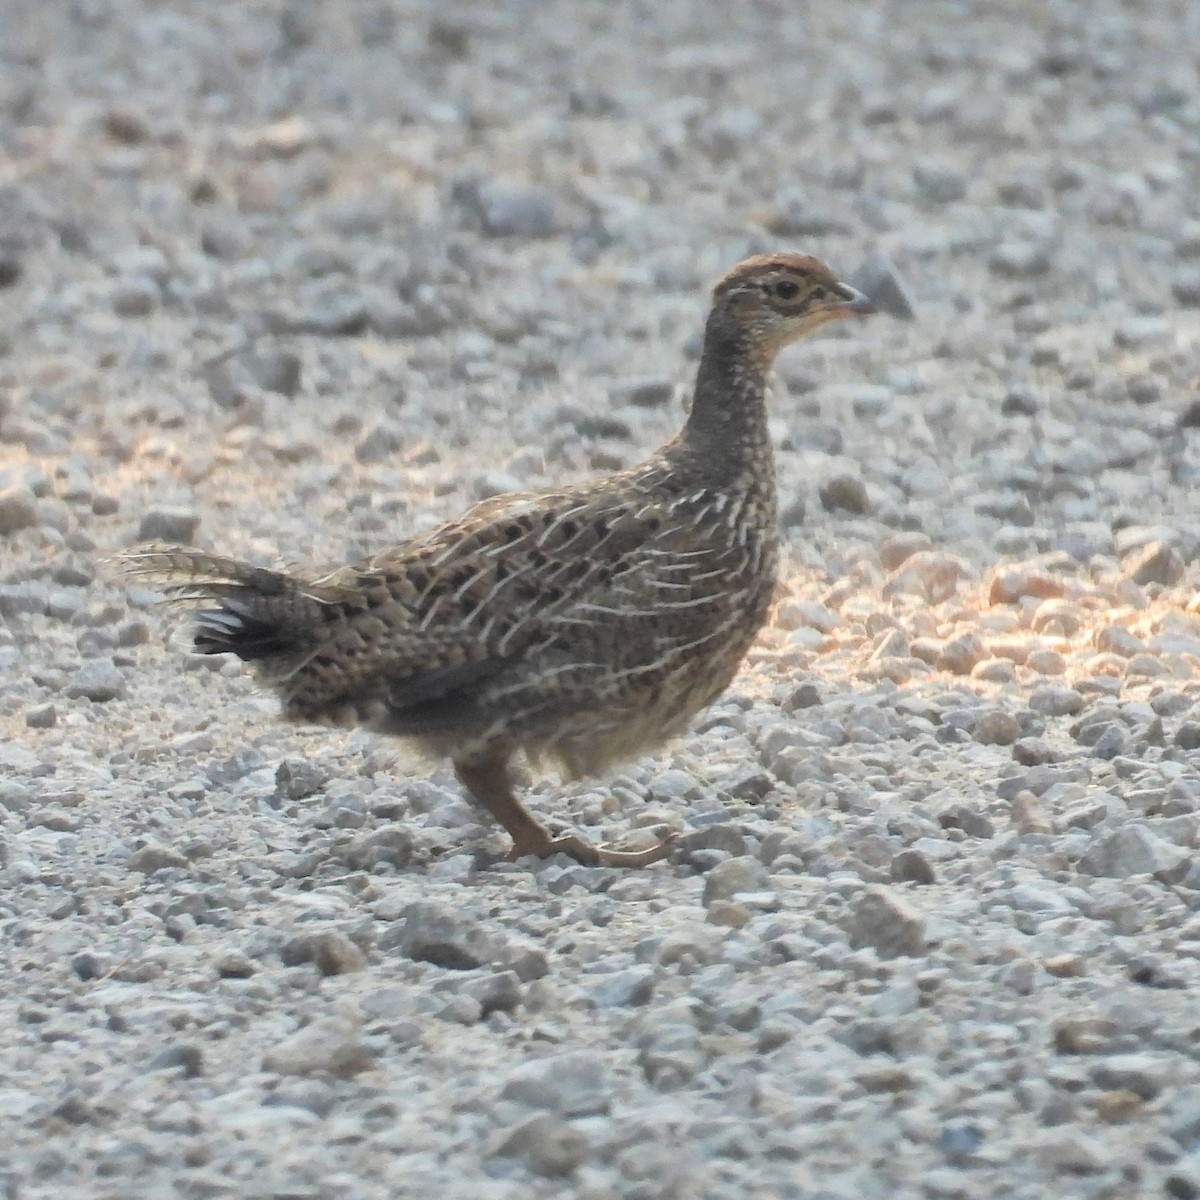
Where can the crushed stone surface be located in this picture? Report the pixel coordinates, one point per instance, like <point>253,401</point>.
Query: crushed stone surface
<point>294,280</point>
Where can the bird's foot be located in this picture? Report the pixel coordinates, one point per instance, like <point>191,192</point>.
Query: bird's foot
<point>590,855</point>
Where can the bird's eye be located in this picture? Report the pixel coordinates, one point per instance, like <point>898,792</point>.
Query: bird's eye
<point>785,289</point>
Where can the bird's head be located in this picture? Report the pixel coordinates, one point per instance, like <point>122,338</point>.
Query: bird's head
<point>774,299</point>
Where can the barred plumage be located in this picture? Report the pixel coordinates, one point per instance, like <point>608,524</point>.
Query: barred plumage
<point>586,624</point>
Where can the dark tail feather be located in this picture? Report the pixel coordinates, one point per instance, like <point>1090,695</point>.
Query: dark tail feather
<point>235,629</point>
<point>258,613</point>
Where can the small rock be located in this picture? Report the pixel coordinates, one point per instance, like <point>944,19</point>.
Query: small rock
<point>939,183</point>
<point>98,680</point>
<point>997,728</point>
<point>184,1056</point>
<point>1084,1035</point>
<point>44,716</point>
<point>1020,259</point>
<point>1028,814</point>
<point>234,964</point>
<point>961,654</point>
<point>1158,562</point>
<point>1010,584</point>
<point>392,844</point>
<point>497,991</point>
<point>572,1085</point>
<point>137,297</point>
<point>733,876</point>
<point>898,548</point>
<point>970,820</point>
<point>1187,736</point>
<point>1020,402</point>
<point>911,866</point>
<point>878,278</point>
<point>930,574</point>
<point>332,1044</point>
<point>1065,966</point>
<point>1115,639</point>
<point>18,509</point>
<point>1056,701</point>
<point>297,779</point>
<point>643,393</point>
<point>1046,662</point>
<point>1071,1152</point>
<point>886,921</point>
<point>1134,850</point>
<point>381,442</point>
<point>11,268</point>
<point>847,493</point>
<point>1186,287</point>
<point>509,212</point>
<point>1189,415</point>
<point>445,937</point>
<point>630,988</point>
<point>277,371</point>
<point>168,525</point>
<point>331,952</point>
<point>552,1147</point>
<point>1142,1074</point>
<point>155,857</point>
<point>1034,752</point>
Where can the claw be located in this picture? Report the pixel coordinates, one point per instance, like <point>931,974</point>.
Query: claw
<point>589,855</point>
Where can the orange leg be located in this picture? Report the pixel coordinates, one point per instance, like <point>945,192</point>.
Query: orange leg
<point>489,784</point>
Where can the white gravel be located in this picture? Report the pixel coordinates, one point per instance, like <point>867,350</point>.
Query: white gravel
<point>295,280</point>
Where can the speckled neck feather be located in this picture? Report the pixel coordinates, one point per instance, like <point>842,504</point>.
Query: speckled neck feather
<point>727,427</point>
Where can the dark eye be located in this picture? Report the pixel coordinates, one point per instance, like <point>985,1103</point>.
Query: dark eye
<point>785,289</point>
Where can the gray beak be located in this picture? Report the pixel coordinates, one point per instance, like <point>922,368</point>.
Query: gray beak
<point>856,301</point>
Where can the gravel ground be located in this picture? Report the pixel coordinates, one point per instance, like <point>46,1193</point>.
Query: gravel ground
<point>293,281</point>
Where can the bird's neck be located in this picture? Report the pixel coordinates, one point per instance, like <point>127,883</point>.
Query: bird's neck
<point>727,426</point>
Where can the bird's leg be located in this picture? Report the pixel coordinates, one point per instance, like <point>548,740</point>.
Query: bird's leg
<point>489,784</point>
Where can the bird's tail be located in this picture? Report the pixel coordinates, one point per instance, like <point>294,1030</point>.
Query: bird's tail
<point>255,613</point>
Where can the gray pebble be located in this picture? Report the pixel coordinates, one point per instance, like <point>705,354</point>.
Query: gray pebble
<point>168,525</point>
<point>18,509</point>
<point>509,212</point>
<point>1054,700</point>
<point>332,1045</point>
<point>997,728</point>
<point>885,921</point>
<point>382,442</point>
<point>393,845</point>
<point>1133,850</point>
<point>331,952</point>
<point>440,935</point>
<point>630,988</point>
<point>1187,736</point>
<point>43,716</point>
<point>644,392</point>
<point>137,297</point>
<point>1020,260</point>
<point>97,680</point>
<point>155,857</point>
<point>552,1147</point>
<point>911,866</point>
<point>845,493</point>
<point>276,371</point>
<point>1143,1074</point>
<point>734,875</point>
<point>574,1084</point>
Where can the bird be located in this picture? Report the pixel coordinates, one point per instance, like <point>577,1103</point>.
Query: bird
<point>584,625</point>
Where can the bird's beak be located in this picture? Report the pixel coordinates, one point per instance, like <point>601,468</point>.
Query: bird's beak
<point>856,302</point>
